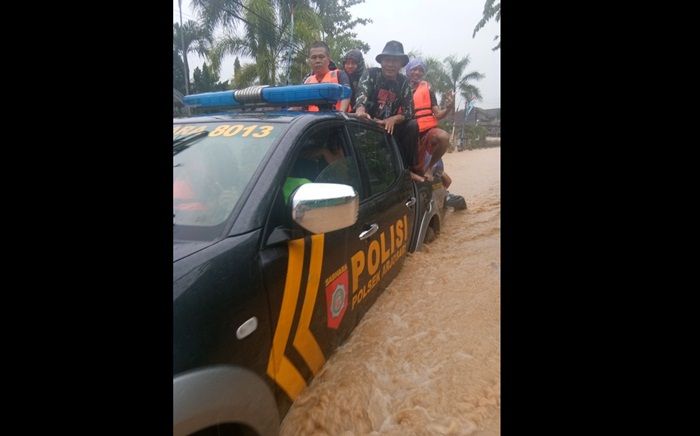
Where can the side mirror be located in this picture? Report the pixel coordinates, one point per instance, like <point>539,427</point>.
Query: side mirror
<point>325,207</point>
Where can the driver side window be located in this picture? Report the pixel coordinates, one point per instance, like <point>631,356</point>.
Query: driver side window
<point>324,158</point>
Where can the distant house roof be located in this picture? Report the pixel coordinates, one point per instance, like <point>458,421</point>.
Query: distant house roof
<point>486,116</point>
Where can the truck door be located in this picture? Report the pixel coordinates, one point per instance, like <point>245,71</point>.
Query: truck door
<point>307,275</point>
<point>379,241</point>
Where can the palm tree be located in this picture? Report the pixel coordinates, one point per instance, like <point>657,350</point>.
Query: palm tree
<point>435,73</point>
<point>455,70</point>
<point>470,92</point>
<point>276,32</point>
<point>265,34</point>
<point>179,81</point>
<point>219,13</point>
<point>489,11</point>
<point>245,76</point>
<point>191,37</point>
<point>460,81</point>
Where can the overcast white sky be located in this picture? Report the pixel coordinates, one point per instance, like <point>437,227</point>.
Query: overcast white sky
<point>436,28</point>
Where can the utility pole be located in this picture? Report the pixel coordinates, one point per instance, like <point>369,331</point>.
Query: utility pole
<point>454,120</point>
<point>291,44</point>
<point>464,123</point>
<point>184,55</point>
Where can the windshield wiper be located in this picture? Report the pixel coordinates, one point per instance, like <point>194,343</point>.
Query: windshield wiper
<point>184,142</point>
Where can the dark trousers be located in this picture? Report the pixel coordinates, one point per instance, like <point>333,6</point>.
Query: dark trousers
<point>406,135</point>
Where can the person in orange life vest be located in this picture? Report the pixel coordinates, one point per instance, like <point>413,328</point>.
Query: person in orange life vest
<point>184,197</point>
<point>202,194</point>
<point>188,185</point>
<point>433,141</point>
<point>319,60</point>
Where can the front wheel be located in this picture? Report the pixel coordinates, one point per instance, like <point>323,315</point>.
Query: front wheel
<point>430,235</point>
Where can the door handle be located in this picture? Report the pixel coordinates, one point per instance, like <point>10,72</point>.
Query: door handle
<point>411,202</point>
<point>367,233</point>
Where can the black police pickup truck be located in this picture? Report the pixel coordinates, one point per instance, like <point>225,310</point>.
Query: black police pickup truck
<point>287,226</point>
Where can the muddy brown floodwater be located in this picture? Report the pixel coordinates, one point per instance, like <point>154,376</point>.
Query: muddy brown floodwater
<point>425,359</point>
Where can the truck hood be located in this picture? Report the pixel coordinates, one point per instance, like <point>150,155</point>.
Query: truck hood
<point>185,248</point>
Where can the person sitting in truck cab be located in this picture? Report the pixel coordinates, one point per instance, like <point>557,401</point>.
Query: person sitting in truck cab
<point>322,160</point>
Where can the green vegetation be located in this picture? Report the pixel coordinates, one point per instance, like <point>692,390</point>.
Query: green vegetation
<point>276,33</point>
<point>490,10</point>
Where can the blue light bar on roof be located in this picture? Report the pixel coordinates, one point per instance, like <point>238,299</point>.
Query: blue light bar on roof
<point>302,95</point>
<point>211,99</point>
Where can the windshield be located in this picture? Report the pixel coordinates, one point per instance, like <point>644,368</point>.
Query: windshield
<point>212,164</point>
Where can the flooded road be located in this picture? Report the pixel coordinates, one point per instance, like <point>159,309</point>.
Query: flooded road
<point>425,359</point>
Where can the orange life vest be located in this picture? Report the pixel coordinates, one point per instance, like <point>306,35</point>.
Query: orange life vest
<point>330,77</point>
<point>423,107</point>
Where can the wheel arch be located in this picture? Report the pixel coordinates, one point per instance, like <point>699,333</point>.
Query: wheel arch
<point>223,394</point>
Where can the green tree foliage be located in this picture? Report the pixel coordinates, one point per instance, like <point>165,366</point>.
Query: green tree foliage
<point>459,80</point>
<point>337,25</point>
<point>207,80</point>
<point>243,75</point>
<point>469,92</point>
<point>262,29</point>
<point>246,77</point>
<point>490,10</point>
<point>475,136</point>
<point>264,24</point>
<point>437,76</point>
<point>236,67</point>
<point>196,39</point>
<point>178,72</point>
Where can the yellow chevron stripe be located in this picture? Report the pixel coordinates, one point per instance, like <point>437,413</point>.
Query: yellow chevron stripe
<point>289,379</point>
<point>304,340</point>
<point>279,368</point>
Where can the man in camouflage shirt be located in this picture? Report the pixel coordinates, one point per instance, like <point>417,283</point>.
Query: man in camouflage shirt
<point>385,95</point>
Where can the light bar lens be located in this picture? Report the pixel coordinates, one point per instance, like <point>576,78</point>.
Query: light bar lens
<point>211,99</point>
<point>305,94</point>
<point>274,95</point>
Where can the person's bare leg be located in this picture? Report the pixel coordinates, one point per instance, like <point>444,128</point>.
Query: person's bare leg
<point>417,178</point>
<point>446,180</point>
<point>440,142</point>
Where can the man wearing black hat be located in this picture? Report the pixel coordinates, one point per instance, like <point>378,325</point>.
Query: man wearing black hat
<point>385,95</point>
